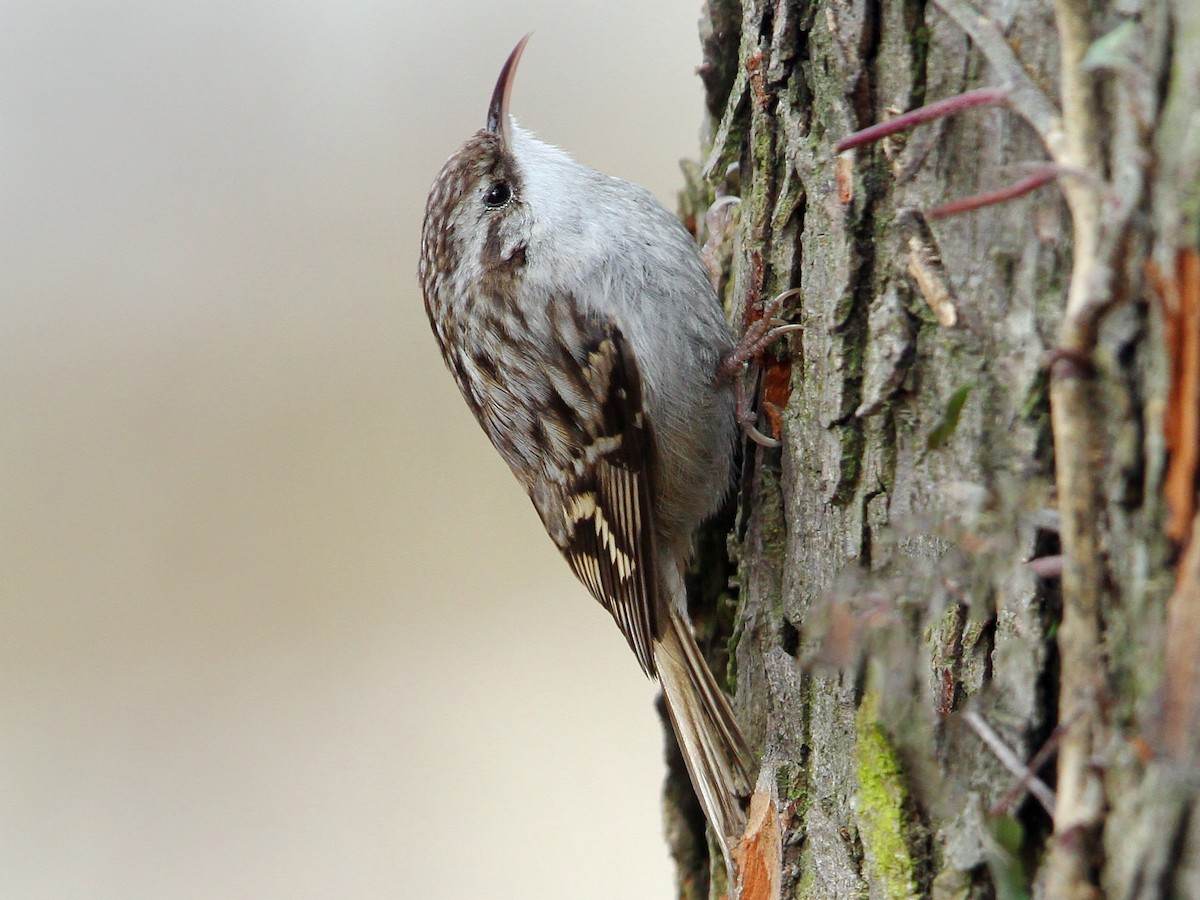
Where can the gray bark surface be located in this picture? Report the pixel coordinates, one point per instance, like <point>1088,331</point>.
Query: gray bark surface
<point>884,616</point>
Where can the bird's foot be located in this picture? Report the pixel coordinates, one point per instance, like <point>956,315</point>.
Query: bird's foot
<point>759,335</point>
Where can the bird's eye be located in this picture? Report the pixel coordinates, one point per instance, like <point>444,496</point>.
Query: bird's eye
<point>497,195</point>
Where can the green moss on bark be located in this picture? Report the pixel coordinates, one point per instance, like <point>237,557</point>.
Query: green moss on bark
<point>880,808</point>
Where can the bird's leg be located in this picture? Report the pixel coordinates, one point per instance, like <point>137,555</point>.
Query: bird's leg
<point>747,417</point>
<point>718,222</point>
<point>759,335</point>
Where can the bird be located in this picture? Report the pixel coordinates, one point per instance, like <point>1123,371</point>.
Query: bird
<point>578,321</point>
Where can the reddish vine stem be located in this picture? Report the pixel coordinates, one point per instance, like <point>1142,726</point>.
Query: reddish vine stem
<point>988,198</point>
<point>936,110</point>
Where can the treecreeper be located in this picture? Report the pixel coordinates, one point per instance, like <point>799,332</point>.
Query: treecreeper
<point>578,320</point>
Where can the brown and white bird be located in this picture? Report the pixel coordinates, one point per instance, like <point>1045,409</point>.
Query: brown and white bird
<point>578,320</point>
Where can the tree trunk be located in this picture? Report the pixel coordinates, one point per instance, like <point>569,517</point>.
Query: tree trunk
<point>969,394</point>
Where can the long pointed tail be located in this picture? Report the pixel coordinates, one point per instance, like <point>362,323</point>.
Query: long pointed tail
<point>716,754</point>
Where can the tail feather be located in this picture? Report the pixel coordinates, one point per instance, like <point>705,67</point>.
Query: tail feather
<point>718,760</point>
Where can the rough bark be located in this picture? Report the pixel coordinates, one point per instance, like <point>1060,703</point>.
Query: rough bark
<point>892,652</point>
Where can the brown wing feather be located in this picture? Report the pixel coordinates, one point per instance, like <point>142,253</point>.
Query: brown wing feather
<point>609,535</point>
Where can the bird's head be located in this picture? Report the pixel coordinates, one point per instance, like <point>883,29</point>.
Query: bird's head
<point>478,218</point>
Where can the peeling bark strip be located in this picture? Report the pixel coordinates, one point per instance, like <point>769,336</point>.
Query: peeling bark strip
<point>991,396</point>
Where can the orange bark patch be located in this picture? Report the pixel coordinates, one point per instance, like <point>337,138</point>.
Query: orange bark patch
<point>776,391</point>
<point>759,854</point>
<point>1180,302</point>
<point>843,171</point>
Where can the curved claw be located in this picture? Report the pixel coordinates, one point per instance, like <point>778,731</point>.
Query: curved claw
<point>772,306</point>
<point>759,438</point>
<point>783,328</point>
<point>718,205</point>
<point>752,432</point>
<point>746,417</point>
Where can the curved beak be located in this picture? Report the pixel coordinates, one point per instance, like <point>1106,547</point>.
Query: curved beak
<point>497,118</point>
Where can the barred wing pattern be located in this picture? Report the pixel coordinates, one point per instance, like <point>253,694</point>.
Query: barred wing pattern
<point>606,502</point>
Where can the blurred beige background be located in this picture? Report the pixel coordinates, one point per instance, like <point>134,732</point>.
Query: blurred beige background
<point>274,620</point>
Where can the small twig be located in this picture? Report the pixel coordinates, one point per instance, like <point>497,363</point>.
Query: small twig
<point>936,110</point>
<point>990,198</point>
<point>1046,566</point>
<point>1025,97</point>
<point>1060,171</point>
<point>1038,788</point>
<point>1040,173</point>
<point>1040,758</point>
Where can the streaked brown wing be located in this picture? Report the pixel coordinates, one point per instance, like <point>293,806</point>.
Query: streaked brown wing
<point>609,533</point>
